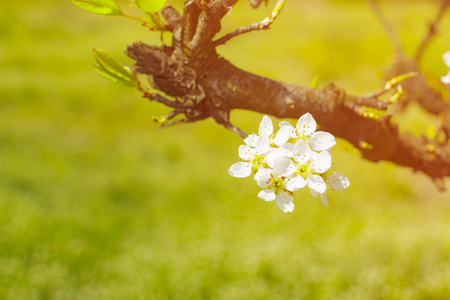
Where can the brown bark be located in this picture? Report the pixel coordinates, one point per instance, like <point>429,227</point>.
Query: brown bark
<point>205,85</point>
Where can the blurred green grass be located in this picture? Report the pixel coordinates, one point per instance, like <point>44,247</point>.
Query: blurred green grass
<point>96,203</point>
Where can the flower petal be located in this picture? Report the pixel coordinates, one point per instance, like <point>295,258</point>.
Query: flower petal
<point>250,140</point>
<point>246,153</point>
<point>262,144</point>
<point>262,172</point>
<point>284,166</point>
<point>284,202</point>
<point>240,170</point>
<point>287,149</point>
<point>322,140</point>
<point>266,126</point>
<point>264,181</point>
<point>323,198</point>
<point>322,162</point>
<point>273,155</point>
<point>337,182</point>
<point>306,125</point>
<point>314,193</point>
<point>446,79</point>
<point>446,58</point>
<point>292,132</point>
<point>316,183</point>
<point>282,136</point>
<point>301,152</point>
<point>267,195</point>
<point>295,184</point>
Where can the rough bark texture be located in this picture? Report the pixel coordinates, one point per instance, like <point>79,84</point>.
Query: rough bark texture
<point>206,85</point>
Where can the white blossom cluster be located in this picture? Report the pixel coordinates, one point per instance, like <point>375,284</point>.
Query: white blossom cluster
<point>289,160</point>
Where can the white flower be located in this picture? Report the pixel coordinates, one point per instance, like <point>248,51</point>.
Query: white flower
<point>250,140</point>
<point>274,190</point>
<point>335,182</point>
<point>306,168</point>
<point>320,140</point>
<point>251,156</point>
<point>282,136</point>
<point>446,79</point>
<point>265,128</point>
<point>306,130</point>
<point>292,132</point>
<point>282,199</point>
<point>306,125</point>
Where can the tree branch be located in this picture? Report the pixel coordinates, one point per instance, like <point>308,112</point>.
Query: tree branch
<point>210,86</point>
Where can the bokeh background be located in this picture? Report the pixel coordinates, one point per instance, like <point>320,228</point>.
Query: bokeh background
<point>97,203</point>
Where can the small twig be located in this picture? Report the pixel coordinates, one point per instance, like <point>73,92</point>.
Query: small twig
<point>235,129</point>
<point>173,113</point>
<point>387,26</point>
<point>361,111</point>
<point>223,117</point>
<point>389,85</point>
<point>197,118</point>
<point>372,102</point>
<point>432,29</point>
<point>374,95</point>
<point>263,25</point>
<point>160,99</point>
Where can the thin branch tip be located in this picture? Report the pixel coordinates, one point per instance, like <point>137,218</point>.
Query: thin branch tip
<point>390,31</point>
<point>432,30</point>
<point>262,25</point>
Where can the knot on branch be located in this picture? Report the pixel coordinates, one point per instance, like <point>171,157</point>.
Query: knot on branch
<point>340,94</point>
<point>171,75</point>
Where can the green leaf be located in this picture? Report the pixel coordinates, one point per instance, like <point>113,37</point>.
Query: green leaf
<point>150,6</point>
<point>102,7</point>
<point>108,63</point>
<point>112,77</point>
